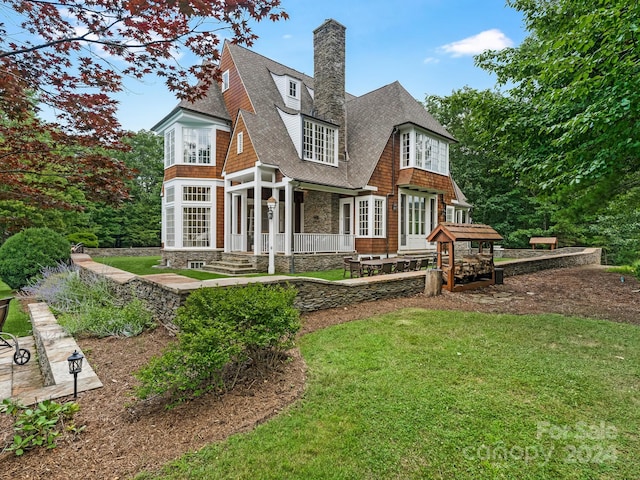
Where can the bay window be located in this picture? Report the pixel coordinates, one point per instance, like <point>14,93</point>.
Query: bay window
<point>196,143</point>
<point>371,215</point>
<point>424,151</point>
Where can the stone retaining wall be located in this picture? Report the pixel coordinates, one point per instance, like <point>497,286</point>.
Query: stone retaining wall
<point>124,252</point>
<point>164,293</point>
<point>586,256</point>
<point>537,253</point>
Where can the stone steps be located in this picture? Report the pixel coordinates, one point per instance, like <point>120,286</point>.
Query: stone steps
<point>46,375</point>
<point>231,266</point>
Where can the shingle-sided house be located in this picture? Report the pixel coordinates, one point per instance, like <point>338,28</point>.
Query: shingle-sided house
<point>351,175</point>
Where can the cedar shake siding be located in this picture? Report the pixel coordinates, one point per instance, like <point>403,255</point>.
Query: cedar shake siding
<point>190,171</point>
<point>235,97</point>
<point>240,161</point>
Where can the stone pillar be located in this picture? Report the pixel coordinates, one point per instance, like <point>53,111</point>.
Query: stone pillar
<point>433,282</point>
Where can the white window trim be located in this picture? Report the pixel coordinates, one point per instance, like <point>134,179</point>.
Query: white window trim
<point>450,214</point>
<point>212,153</point>
<point>225,81</point>
<point>313,158</point>
<point>370,200</point>
<point>438,144</point>
<point>169,148</point>
<point>296,83</point>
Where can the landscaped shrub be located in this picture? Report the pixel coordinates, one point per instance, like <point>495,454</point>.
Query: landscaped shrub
<point>88,239</point>
<point>24,254</point>
<point>222,331</point>
<point>87,305</point>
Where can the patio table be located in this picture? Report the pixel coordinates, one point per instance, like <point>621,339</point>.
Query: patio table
<point>374,267</point>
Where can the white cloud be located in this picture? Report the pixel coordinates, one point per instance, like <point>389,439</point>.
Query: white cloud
<point>492,39</point>
<point>287,36</point>
<point>429,60</point>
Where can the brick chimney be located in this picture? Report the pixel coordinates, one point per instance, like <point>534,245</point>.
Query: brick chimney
<point>329,76</point>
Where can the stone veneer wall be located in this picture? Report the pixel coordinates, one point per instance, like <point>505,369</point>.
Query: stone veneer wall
<point>124,252</point>
<point>181,258</point>
<point>317,217</point>
<point>586,256</point>
<point>165,293</point>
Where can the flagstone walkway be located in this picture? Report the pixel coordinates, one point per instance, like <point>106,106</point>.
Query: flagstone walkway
<point>46,375</point>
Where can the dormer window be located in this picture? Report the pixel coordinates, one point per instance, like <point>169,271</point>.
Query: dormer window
<point>294,88</point>
<point>424,151</point>
<point>320,143</point>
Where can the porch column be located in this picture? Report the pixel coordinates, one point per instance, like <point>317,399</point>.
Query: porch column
<point>257,212</point>
<point>288,218</point>
<point>244,218</point>
<point>228,216</point>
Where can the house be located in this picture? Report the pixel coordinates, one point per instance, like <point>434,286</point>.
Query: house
<point>349,175</point>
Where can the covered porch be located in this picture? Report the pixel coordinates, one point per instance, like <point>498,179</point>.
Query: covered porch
<point>306,219</point>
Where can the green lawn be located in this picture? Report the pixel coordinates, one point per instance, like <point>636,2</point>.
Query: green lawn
<point>423,394</point>
<point>17,322</point>
<point>147,266</point>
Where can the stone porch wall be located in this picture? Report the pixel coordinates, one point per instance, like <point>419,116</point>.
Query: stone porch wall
<point>164,293</point>
<point>124,252</point>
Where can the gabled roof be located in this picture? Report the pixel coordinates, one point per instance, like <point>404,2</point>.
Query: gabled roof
<point>463,232</point>
<point>460,197</point>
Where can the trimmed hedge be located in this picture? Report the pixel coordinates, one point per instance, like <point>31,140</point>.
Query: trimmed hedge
<point>23,255</point>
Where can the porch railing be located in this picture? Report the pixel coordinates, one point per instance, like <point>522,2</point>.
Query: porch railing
<point>312,243</point>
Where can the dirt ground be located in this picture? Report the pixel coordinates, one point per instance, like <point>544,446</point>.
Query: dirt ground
<point>122,439</point>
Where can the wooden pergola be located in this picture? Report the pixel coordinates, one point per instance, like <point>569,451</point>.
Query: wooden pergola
<point>472,271</point>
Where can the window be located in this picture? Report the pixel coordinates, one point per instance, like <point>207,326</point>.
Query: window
<point>196,194</point>
<point>418,217</point>
<point>197,145</point>
<point>450,215</point>
<point>421,150</point>
<point>225,80</point>
<point>169,148</point>
<point>195,264</point>
<point>319,143</point>
<point>169,195</point>
<point>195,226</point>
<point>240,142</point>
<point>371,216</point>
<point>293,88</point>
<point>170,227</point>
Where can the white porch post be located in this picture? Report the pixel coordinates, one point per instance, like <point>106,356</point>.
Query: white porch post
<point>244,215</point>
<point>288,218</point>
<point>228,216</point>
<point>257,212</point>
<point>271,205</point>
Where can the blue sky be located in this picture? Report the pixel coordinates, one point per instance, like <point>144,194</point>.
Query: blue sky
<point>427,45</point>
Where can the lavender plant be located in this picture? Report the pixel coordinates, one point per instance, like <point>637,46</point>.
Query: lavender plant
<point>86,304</point>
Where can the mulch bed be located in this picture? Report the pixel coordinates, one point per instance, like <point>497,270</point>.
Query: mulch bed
<point>123,438</point>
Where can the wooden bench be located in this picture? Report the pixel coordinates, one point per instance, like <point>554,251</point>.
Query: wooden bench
<point>551,241</point>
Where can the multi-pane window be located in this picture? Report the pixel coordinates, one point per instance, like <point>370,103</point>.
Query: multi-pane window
<point>319,143</point>
<point>192,193</point>
<point>363,217</point>
<point>169,194</point>
<point>196,145</point>
<point>420,150</point>
<point>406,149</point>
<point>371,216</point>
<point>170,227</point>
<point>169,148</point>
<point>450,214</point>
<point>195,226</point>
<point>378,217</point>
<point>293,89</point>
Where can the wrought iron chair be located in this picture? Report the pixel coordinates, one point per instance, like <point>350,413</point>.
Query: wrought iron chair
<point>21,355</point>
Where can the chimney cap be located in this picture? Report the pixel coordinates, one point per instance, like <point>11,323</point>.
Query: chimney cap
<point>328,21</point>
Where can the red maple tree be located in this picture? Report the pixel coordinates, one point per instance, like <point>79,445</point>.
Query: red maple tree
<point>71,56</point>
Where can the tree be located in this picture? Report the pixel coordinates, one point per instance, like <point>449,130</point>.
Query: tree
<point>136,223</point>
<point>475,118</point>
<point>71,56</point>
<point>577,77</point>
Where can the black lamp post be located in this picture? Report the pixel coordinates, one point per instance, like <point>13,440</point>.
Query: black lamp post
<point>75,367</point>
